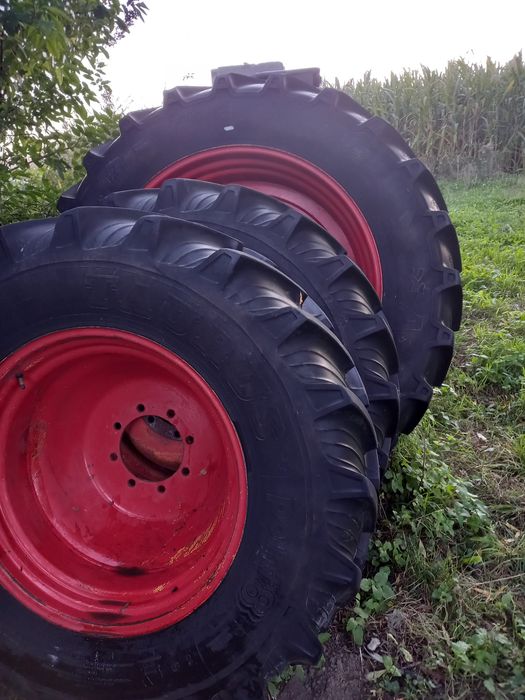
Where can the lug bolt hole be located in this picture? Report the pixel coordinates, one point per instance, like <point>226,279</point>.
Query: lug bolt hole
<point>141,408</point>
<point>161,489</point>
<point>118,426</point>
<point>185,471</point>
<point>171,413</point>
<point>113,456</point>
<point>131,483</point>
<point>190,440</point>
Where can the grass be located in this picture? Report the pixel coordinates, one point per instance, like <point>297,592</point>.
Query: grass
<point>441,612</point>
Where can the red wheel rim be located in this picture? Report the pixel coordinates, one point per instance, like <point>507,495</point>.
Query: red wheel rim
<point>97,534</point>
<point>293,180</point>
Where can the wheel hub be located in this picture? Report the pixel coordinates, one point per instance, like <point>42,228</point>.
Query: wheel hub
<point>122,487</point>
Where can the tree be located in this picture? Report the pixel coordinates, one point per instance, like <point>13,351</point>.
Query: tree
<point>52,59</point>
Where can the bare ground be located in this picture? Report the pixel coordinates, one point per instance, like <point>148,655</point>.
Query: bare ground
<point>340,678</point>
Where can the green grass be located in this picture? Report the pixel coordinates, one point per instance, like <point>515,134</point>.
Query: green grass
<point>444,597</point>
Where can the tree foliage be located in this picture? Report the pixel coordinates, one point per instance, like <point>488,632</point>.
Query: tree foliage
<point>52,59</point>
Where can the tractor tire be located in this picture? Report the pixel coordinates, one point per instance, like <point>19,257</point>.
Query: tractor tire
<point>321,152</point>
<point>110,318</point>
<point>314,260</point>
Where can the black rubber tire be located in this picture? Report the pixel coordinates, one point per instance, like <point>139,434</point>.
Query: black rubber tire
<point>314,260</point>
<point>307,442</point>
<point>399,197</point>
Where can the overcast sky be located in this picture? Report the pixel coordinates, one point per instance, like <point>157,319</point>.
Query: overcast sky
<point>181,37</point>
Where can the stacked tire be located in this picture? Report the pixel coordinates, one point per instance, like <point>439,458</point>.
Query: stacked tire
<point>205,362</point>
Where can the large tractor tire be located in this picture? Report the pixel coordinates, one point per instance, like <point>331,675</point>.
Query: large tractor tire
<point>183,488</point>
<point>322,153</point>
<point>305,252</point>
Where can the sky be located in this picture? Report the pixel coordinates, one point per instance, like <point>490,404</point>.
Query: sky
<point>180,38</point>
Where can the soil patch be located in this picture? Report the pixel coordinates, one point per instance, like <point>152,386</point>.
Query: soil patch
<point>340,678</point>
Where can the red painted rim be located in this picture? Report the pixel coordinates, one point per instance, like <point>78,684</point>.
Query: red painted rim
<point>293,180</point>
<point>123,490</point>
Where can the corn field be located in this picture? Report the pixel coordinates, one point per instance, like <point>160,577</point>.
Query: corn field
<point>467,121</point>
